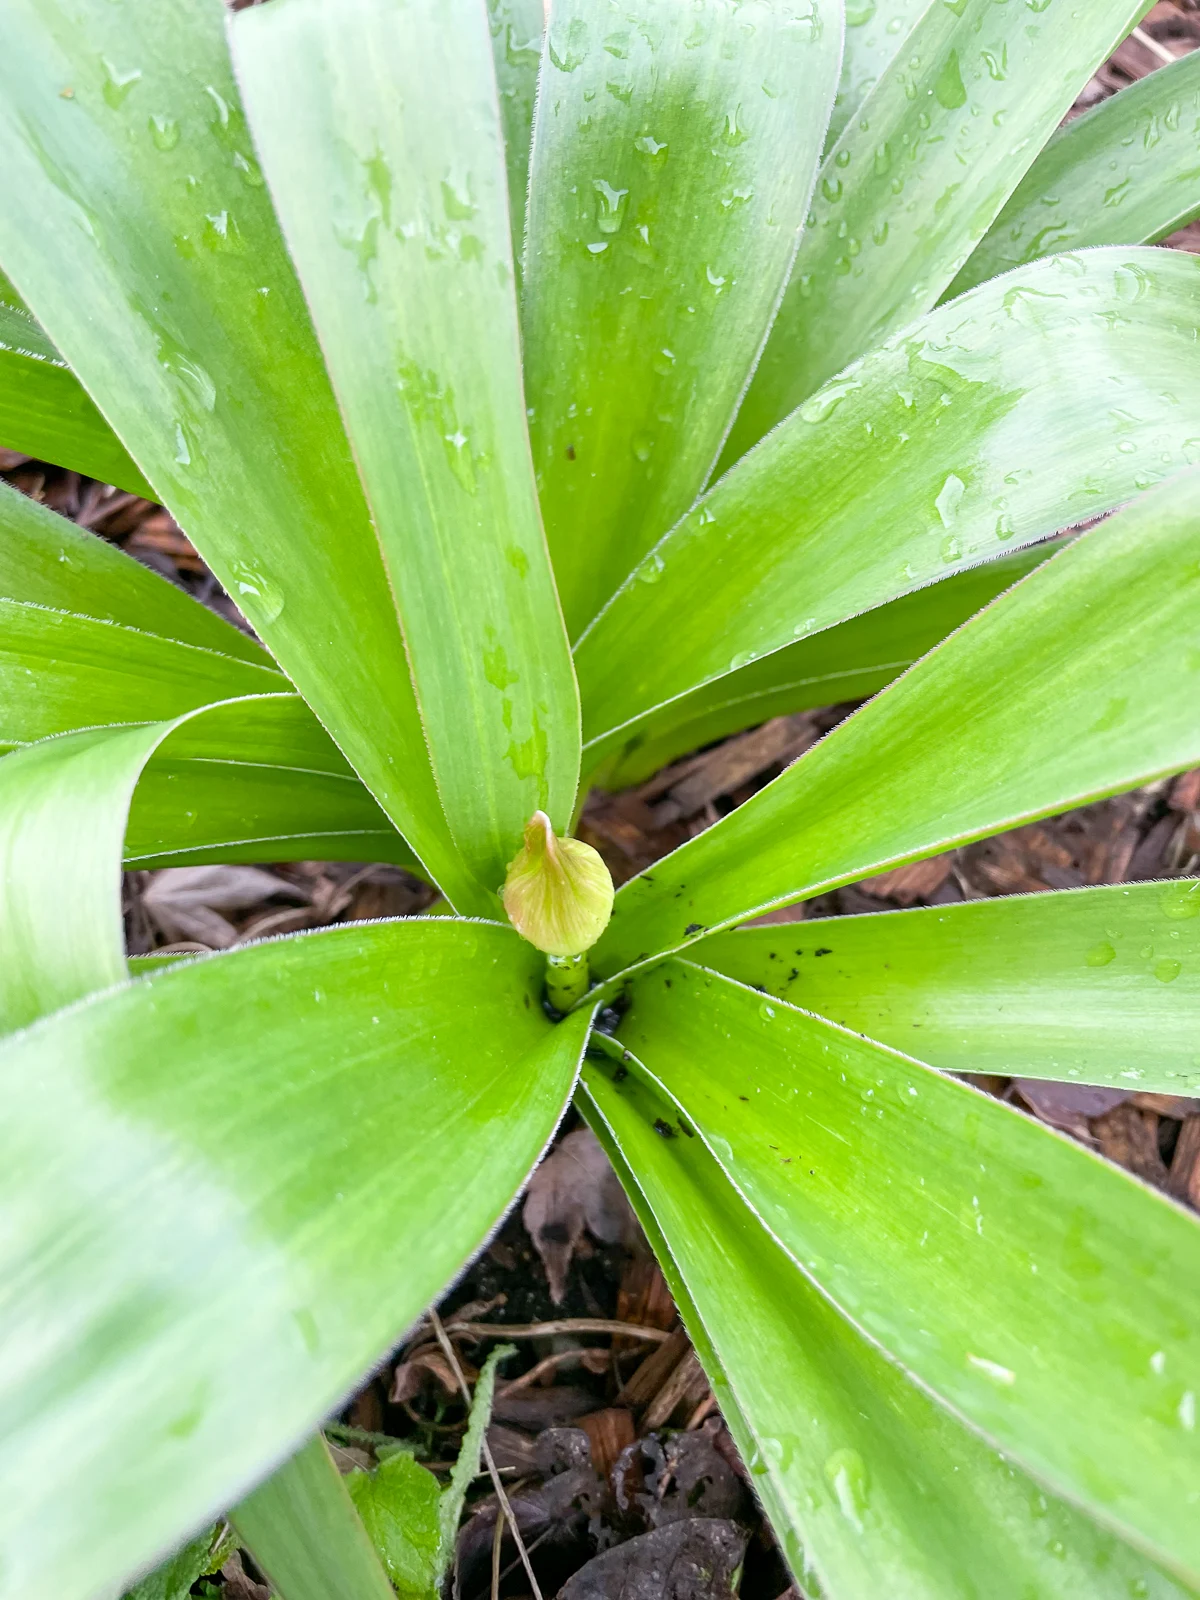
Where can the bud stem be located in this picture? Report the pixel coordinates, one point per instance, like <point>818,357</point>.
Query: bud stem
<point>566,980</point>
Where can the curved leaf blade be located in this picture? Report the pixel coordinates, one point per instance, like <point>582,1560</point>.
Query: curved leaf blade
<point>1125,172</point>
<point>49,562</point>
<point>872,1487</point>
<point>45,412</point>
<point>916,180</point>
<point>1040,400</point>
<point>214,1179</point>
<point>673,159</point>
<point>60,672</point>
<point>51,862</point>
<point>1097,985</point>
<point>256,780</point>
<point>89,637</point>
<point>1009,1270</point>
<point>215,384</point>
<point>303,1531</point>
<point>1077,649</point>
<point>409,275</point>
<point>849,661</point>
<point>251,779</point>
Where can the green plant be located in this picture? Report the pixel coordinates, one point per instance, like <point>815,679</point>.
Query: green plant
<point>960,1354</point>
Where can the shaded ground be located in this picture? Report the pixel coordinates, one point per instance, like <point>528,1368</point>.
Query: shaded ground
<point>618,1467</point>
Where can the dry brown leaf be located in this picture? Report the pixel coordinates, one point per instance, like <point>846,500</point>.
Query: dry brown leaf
<point>411,1377</point>
<point>187,902</point>
<point>560,1405</point>
<point>511,1448</point>
<point>1067,1105</point>
<point>695,1559</point>
<point>698,1481</point>
<point>575,1190</point>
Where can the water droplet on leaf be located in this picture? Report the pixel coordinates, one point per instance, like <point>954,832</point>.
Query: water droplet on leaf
<point>846,1474</point>
<point>610,205</point>
<point>251,584</point>
<point>165,132</point>
<point>117,84</point>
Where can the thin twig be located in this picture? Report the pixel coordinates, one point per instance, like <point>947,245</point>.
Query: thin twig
<point>451,1356</point>
<point>1155,49</point>
<point>549,1363</point>
<point>539,1330</point>
<point>541,1538</point>
<point>497,1545</point>
<point>342,1455</point>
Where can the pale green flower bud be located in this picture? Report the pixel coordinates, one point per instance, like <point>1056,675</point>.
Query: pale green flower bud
<point>558,893</point>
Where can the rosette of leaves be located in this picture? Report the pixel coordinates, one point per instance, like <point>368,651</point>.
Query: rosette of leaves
<point>538,450</point>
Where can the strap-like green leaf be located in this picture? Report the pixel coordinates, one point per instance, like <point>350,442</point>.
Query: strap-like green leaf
<point>673,158</point>
<point>45,412</point>
<point>918,177</point>
<point>229,1188</point>
<point>876,30</point>
<point>872,1487</point>
<point>1009,1270</point>
<point>849,661</point>
<point>49,562</point>
<point>1126,172</point>
<point>1099,985</point>
<point>1037,704</point>
<point>89,637</point>
<point>1040,400</point>
<point>517,27</point>
<point>63,806</point>
<point>407,264</point>
<point>304,1533</point>
<point>128,164</point>
<point>10,297</point>
<point>605,1113</point>
<point>59,672</point>
<point>254,779</point>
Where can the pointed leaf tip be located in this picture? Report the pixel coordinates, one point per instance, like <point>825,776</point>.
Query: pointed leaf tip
<point>558,893</point>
